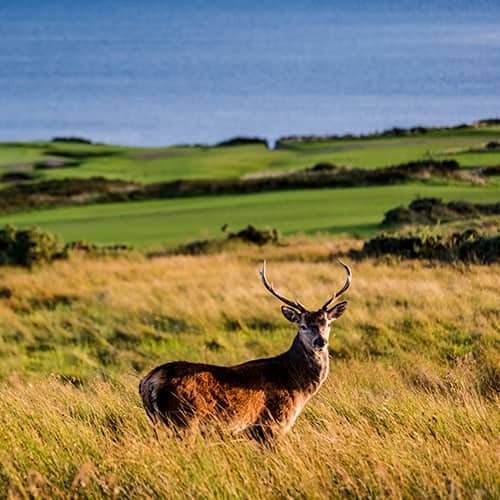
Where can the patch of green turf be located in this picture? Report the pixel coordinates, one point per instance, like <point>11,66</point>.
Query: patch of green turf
<point>185,162</point>
<point>355,211</point>
<point>12,155</point>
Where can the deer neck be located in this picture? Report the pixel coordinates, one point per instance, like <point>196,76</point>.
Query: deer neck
<point>308,369</point>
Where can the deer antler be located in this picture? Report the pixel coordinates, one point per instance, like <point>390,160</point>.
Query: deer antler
<point>343,289</point>
<point>295,304</point>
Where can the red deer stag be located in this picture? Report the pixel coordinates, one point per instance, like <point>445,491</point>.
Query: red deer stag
<point>262,397</point>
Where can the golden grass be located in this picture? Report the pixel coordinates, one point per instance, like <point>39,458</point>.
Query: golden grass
<point>410,408</point>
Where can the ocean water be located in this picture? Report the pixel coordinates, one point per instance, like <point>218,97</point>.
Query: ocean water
<point>165,72</point>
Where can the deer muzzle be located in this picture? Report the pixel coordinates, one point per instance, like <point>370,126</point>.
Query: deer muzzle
<point>319,342</point>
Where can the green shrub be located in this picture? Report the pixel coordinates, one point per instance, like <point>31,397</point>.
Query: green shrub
<point>73,140</point>
<point>94,250</point>
<point>257,236</point>
<point>293,140</point>
<point>322,167</point>
<point>243,141</point>
<point>490,171</point>
<point>27,247</point>
<point>478,249</point>
<point>435,210</point>
<point>248,235</point>
<point>493,146</point>
<point>468,246</point>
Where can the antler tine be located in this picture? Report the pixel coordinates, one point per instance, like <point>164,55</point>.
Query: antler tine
<point>347,284</point>
<point>269,286</point>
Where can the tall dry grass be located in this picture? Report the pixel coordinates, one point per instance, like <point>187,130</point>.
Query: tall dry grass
<point>410,408</point>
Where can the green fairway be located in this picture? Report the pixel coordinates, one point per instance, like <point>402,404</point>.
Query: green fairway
<point>190,162</point>
<point>356,211</point>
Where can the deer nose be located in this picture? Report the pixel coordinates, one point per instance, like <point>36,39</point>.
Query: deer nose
<point>319,342</point>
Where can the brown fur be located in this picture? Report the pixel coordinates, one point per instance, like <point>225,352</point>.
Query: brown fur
<point>262,397</point>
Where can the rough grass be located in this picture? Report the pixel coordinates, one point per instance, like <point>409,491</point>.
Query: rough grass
<point>410,408</point>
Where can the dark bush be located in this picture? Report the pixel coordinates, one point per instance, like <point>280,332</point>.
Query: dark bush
<point>61,192</point>
<point>27,247</point>
<point>197,247</point>
<point>397,216</point>
<point>489,121</point>
<point>242,141</point>
<point>411,246</point>
<point>250,234</point>
<point>257,236</point>
<point>52,164</point>
<point>16,177</point>
<point>76,140</point>
<point>81,155</point>
<point>478,249</point>
<point>493,145</point>
<point>490,171</point>
<point>96,250</point>
<point>322,167</point>
<point>434,210</point>
<point>468,246</point>
<point>290,141</point>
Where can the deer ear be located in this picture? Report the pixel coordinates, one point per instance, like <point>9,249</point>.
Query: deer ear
<point>337,310</point>
<point>290,314</point>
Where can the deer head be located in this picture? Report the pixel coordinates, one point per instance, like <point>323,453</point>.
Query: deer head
<point>314,326</point>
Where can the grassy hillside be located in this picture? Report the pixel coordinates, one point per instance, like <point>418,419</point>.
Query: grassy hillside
<point>410,408</point>
<point>355,211</point>
<point>164,164</point>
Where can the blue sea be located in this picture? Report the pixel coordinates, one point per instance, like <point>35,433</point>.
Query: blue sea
<point>163,72</point>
